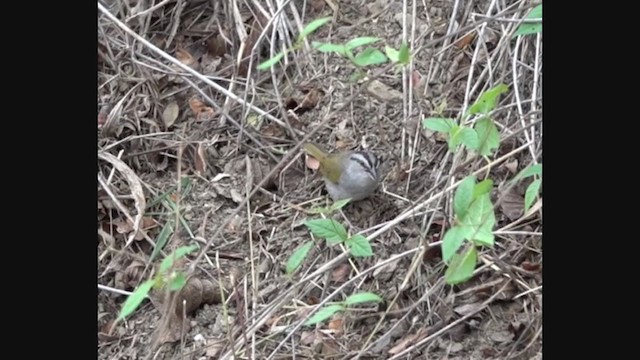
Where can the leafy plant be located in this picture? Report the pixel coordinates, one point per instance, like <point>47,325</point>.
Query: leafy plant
<point>527,28</point>
<point>483,137</point>
<point>333,232</point>
<point>533,190</point>
<point>474,221</point>
<point>400,56</point>
<point>306,31</point>
<point>166,276</point>
<point>369,56</point>
<point>328,311</point>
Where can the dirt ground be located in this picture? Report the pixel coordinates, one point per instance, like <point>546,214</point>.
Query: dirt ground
<point>179,152</point>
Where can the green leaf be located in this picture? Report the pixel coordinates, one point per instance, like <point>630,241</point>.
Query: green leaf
<point>404,56</point>
<point>531,28</point>
<point>488,136</point>
<point>312,26</point>
<point>452,241</point>
<point>392,53</point>
<point>438,124</point>
<point>463,135</point>
<point>462,266</point>
<point>269,63</point>
<point>324,313</point>
<point>361,41</point>
<point>328,229</point>
<point>483,187</point>
<point>339,204</point>
<point>529,171</point>
<point>298,257</point>
<point>469,138</point>
<point>180,252</point>
<point>464,196</point>
<point>161,241</point>
<point>362,298</point>
<point>177,281</point>
<point>488,100</point>
<point>328,47</point>
<point>480,220</point>
<point>531,193</point>
<point>370,56</point>
<point>359,246</point>
<point>135,299</point>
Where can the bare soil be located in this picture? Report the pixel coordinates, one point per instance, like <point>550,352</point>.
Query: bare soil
<point>178,156</point>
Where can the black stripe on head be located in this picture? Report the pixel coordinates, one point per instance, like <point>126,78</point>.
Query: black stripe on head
<point>368,162</point>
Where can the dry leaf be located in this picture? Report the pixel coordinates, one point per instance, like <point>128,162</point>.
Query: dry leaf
<point>308,337</point>
<point>200,160</point>
<point>312,163</point>
<point>272,130</point>
<point>123,226</point>
<point>408,341</point>
<point>336,325</point>
<point>310,101</point>
<point>512,166</point>
<point>340,273</point>
<point>465,40</point>
<point>512,204</point>
<point>216,45</point>
<point>200,110</point>
<point>467,309</point>
<point>530,266</point>
<point>317,5</point>
<point>185,57</point>
<point>501,336</point>
<point>170,114</point>
<point>383,92</point>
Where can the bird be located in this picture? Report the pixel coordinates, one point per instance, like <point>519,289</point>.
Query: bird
<point>347,174</point>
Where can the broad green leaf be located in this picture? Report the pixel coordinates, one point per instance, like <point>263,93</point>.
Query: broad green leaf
<point>404,56</point>
<point>361,41</point>
<point>298,257</point>
<point>161,241</point>
<point>483,187</point>
<point>359,246</point>
<point>324,313</point>
<point>469,138</point>
<point>488,136</point>
<point>370,56</point>
<point>480,219</point>
<point>484,234</point>
<point>464,196</point>
<point>531,193</point>
<point>392,53</point>
<point>180,252</point>
<point>362,298</point>
<point>488,100</point>
<point>438,124</point>
<point>531,28</point>
<point>529,171</point>
<point>269,63</point>
<point>328,47</point>
<point>312,26</point>
<point>135,299</point>
<point>464,135</point>
<point>462,266</point>
<point>177,282</point>
<point>452,241</point>
<point>328,229</point>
